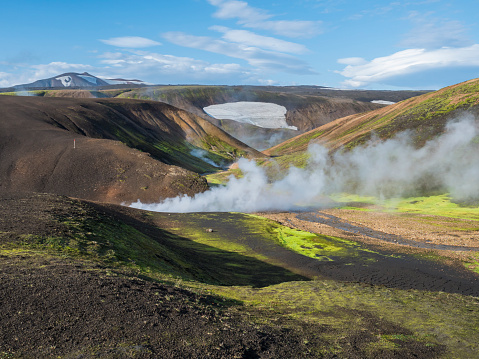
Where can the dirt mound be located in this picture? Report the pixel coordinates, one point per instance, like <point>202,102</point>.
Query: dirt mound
<point>64,146</point>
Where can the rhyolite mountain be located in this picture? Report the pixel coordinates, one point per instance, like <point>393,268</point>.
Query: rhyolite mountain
<point>425,116</point>
<point>112,150</point>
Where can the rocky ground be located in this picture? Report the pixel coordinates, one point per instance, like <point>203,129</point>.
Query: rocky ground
<point>64,299</point>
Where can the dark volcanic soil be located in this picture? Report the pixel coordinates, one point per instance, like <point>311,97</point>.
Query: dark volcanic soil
<point>57,306</point>
<point>54,307</point>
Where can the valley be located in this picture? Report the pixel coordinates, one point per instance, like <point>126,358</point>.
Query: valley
<point>363,246</point>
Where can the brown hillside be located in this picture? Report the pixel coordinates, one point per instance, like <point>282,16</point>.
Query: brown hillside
<point>303,111</point>
<point>37,154</point>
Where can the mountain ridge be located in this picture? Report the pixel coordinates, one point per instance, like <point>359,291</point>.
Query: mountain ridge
<point>426,115</point>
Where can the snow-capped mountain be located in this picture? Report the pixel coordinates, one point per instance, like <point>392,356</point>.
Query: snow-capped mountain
<point>73,79</point>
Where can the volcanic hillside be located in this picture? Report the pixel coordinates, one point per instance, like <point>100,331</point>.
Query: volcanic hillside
<point>425,116</point>
<point>307,106</point>
<point>303,111</point>
<point>124,150</point>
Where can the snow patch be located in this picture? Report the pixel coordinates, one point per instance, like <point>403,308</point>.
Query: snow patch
<point>65,80</point>
<point>124,82</point>
<point>383,102</point>
<point>90,79</point>
<point>261,114</point>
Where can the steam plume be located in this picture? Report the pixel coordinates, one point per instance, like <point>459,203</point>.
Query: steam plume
<point>393,168</point>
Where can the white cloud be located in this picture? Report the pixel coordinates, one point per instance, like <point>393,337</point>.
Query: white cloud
<point>131,42</point>
<point>290,28</point>
<point>249,38</point>
<point>43,71</point>
<point>231,9</point>
<point>377,10</point>
<point>268,82</point>
<point>259,19</point>
<point>7,79</point>
<point>435,33</point>
<point>383,70</point>
<point>352,61</point>
<point>146,66</point>
<point>261,59</point>
<point>160,68</point>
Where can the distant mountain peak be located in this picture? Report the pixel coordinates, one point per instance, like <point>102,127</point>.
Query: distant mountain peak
<point>77,80</point>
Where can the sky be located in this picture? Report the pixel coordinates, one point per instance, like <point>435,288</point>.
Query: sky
<point>352,44</point>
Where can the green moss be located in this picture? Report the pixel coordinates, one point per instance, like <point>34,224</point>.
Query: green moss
<point>222,148</point>
<point>222,178</point>
<point>439,205</point>
<point>435,205</point>
<point>317,246</point>
<point>296,142</point>
<point>427,317</point>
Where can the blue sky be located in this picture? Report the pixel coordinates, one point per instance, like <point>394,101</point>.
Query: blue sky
<point>366,44</point>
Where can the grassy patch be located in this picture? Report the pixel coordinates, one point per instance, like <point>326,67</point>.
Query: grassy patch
<point>295,143</point>
<point>222,178</point>
<point>317,246</point>
<point>440,205</point>
<point>433,318</point>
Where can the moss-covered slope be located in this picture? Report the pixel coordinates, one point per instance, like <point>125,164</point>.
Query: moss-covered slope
<point>425,115</point>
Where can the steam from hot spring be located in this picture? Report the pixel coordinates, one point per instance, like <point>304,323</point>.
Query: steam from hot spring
<point>389,169</point>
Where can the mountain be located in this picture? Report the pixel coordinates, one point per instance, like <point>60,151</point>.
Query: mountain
<point>76,80</point>
<point>69,79</point>
<point>112,150</point>
<point>425,115</point>
<point>303,111</point>
<point>307,107</point>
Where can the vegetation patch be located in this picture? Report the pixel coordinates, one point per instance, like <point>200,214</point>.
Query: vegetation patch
<point>223,177</point>
<point>289,146</point>
<point>320,247</point>
<point>439,205</point>
<point>430,318</point>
